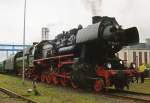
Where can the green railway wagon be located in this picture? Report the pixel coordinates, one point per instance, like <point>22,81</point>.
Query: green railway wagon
<point>19,62</point>
<point>1,67</point>
<point>9,64</point>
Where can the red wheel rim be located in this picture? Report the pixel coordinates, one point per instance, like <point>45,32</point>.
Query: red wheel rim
<point>43,78</point>
<point>55,81</point>
<point>35,77</point>
<point>98,86</point>
<point>48,79</point>
<point>74,86</point>
<point>63,82</point>
<point>29,76</point>
<point>26,75</point>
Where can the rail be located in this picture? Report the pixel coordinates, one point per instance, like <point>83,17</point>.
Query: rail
<point>14,95</point>
<point>136,96</point>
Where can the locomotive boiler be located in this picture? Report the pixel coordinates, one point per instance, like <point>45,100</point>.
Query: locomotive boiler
<point>84,57</point>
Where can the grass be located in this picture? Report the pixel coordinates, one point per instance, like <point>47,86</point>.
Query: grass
<point>141,87</point>
<point>56,94</point>
<point>49,94</point>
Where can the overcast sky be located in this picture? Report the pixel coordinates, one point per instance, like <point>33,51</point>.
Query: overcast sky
<point>60,15</point>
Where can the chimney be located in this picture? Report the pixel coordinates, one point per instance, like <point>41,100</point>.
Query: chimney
<point>45,33</point>
<point>34,43</point>
<point>96,19</point>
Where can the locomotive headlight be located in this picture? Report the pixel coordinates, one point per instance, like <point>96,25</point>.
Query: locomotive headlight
<point>121,62</point>
<point>133,65</point>
<point>109,65</point>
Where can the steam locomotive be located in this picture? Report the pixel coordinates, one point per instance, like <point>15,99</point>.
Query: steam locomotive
<point>80,57</point>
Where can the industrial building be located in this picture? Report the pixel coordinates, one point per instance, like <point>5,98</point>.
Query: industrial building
<point>138,54</point>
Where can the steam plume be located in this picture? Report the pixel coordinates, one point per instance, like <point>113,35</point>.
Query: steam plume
<point>94,6</point>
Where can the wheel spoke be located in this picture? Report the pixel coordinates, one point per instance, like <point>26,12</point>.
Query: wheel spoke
<point>43,78</point>
<point>74,86</point>
<point>55,81</point>
<point>63,82</point>
<point>48,79</point>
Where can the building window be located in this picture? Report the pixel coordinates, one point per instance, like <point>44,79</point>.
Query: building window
<point>140,58</point>
<point>145,57</point>
<point>125,55</point>
<point>134,57</point>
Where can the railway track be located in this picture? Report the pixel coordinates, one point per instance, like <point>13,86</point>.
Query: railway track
<point>13,97</point>
<point>137,97</point>
<point>129,95</point>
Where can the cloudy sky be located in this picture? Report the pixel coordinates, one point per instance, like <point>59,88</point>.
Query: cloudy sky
<point>60,15</point>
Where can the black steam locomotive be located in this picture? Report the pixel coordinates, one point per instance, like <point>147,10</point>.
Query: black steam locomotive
<point>81,57</point>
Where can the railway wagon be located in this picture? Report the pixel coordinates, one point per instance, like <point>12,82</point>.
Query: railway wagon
<point>1,67</point>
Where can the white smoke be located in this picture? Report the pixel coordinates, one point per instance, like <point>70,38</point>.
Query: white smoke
<point>94,6</point>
